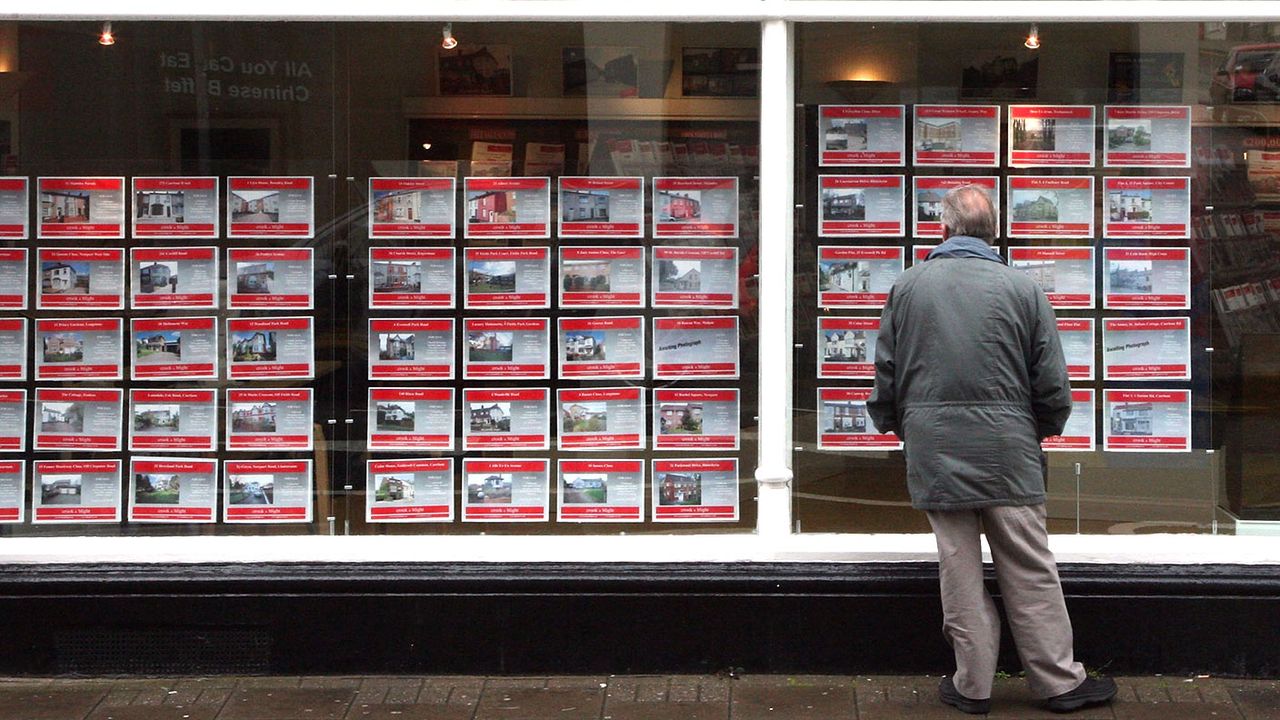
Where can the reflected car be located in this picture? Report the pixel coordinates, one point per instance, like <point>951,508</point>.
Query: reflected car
<point>1251,73</point>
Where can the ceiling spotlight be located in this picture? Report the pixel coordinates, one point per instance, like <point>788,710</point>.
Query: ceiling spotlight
<point>1033,38</point>
<point>106,37</point>
<point>426,146</point>
<point>448,41</point>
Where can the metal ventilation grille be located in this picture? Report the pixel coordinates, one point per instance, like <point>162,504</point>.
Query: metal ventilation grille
<point>178,651</point>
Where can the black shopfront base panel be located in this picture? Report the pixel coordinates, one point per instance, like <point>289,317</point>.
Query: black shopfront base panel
<point>598,619</point>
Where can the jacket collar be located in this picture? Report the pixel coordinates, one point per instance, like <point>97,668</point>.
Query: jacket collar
<point>964,246</point>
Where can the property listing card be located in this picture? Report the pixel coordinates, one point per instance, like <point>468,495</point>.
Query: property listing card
<point>506,347</point>
<point>182,420</point>
<point>15,222</point>
<point>602,277</point>
<point>173,277</point>
<point>844,424</point>
<point>418,490</point>
<point>80,278</point>
<point>271,207</point>
<point>13,279</point>
<point>847,347</point>
<point>411,207</point>
<point>1057,206</point>
<point>862,135</point>
<point>600,491</point>
<point>1146,348</point>
<point>507,278</point>
<point>1051,136</point>
<point>412,277</point>
<point>702,490</point>
<point>1147,420</point>
<point>270,347</point>
<point>506,490</point>
<point>75,491</point>
<point>270,278</point>
<point>13,483</point>
<point>601,418</point>
<point>601,207</point>
<point>695,277</point>
<point>1077,336</point>
<point>81,208</point>
<point>957,135</point>
<point>695,347</point>
<point>1064,273</point>
<point>13,420</point>
<point>857,276</point>
<point>78,419</point>
<point>1146,278</point>
<point>13,348</point>
<point>175,207</point>
<point>1080,434</point>
<point>1147,207</point>
<point>75,349</point>
<point>410,418</point>
<point>927,192</point>
<point>601,347</point>
<point>695,419</point>
<point>506,419</point>
<point>861,206</point>
<point>508,207</point>
<point>266,491</point>
<point>172,489</point>
<point>411,349</point>
<point>170,348</point>
<point>273,420</point>
<point>1147,136</point>
<point>695,207</point>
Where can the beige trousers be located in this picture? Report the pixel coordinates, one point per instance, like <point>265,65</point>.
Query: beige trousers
<point>1029,586</point>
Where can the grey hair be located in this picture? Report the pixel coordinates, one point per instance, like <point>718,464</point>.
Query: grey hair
<point>967,210</point>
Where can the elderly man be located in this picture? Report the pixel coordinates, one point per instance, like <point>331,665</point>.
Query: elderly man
<point>970,374</point>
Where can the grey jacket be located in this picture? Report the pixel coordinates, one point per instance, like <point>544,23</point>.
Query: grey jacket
<point>970,374</point>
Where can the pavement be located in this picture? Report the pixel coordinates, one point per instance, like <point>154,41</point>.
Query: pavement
<point>647,697</point>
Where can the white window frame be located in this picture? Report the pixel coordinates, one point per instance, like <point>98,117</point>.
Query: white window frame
<point>774,539</point>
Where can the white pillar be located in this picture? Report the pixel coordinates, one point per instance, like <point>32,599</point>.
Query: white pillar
<point>777,173</point>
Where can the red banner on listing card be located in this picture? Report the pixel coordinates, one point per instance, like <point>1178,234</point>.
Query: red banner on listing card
<point>695,207</point>
<point>701,490</point>
<point>411,207</point>
<point>273,420</point>
<point>271,207</point>
<point>603,276</point>
<point>847,347</point>
<point>267,491</point>
<point>844,424</point>
<point>862,135</point>
<point>79,349</point>
<point>411,349</point>
<point>411,277</point>
<point>506,490</point>
<point>80,278</point>
<point>80,208</point>
<point>75,491</point>
<point>419,490</point>
<point>173,420</point>
<point>695,419</point>
<point>601,207</point>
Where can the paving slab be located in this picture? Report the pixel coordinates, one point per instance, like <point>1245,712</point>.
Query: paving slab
<point>156,712</point>
<point>666,711</point>
<point>287,704</point>
<point>792,697</point>
<point>402,711</point>
<point>47,703</point>
<point>539,704</point>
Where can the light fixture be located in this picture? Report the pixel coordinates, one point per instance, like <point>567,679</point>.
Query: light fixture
<point>448,41</point>
<point>106,37</point>
<point>1033,38</point>
<point>426,146</point>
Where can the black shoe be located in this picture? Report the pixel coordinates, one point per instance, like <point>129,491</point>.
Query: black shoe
<point>1089,693</point>
<point>950,695</point>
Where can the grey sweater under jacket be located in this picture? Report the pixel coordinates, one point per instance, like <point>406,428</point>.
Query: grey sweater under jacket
<point>970,374</point>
